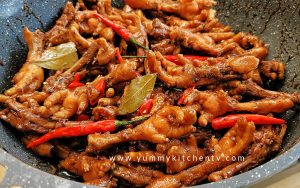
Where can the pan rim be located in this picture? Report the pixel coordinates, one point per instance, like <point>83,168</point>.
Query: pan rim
<point>28,176</point>
<point>20,172</point>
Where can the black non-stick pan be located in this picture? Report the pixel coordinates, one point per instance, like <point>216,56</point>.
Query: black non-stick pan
<point>276,21</point>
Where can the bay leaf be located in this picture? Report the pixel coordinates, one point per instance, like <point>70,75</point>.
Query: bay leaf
<point>58,57</point>
<point>136,92</point>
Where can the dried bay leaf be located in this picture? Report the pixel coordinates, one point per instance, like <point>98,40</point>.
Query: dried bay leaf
<point>58,57</point>
<point>136,92</point>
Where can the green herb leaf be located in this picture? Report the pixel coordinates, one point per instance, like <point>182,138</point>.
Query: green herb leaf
<point>58,57</point>
<point>136,92</point>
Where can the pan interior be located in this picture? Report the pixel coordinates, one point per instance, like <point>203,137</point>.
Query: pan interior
<point>277,22</point>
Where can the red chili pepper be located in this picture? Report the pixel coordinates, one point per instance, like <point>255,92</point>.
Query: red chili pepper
<point>175,59</point>
<point>230,120</point>
<point>189,57</point>
<point>81,130</point>
<point>77,77</point>
<point>93,102</point>
<point>185,94</point>
<point>145,108</point>
<point>82,117</point>
<point>100,86</point>
<point>119,57</point>
<point>120,30</point>
<point>76,82</point>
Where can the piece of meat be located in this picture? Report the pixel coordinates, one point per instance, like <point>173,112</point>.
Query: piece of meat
<point>106,181</point>
<point>173,75</point>
<point>61,151</point>
<point>59,33</point>
<point>200,42</point>
<point>166,47</point>
<point>198,73</point>
<point>259,52</point>
<point>232,144</point>
<point>234,88</point>
<point>29,113</point>
<point>217,103</point>
<point>106,102</point>
<point>266,106</point>
<point>37,96</point>
<point>71,102</point>
<point>104,7</point>
<point>43,150</point>
<point>48,149</point>
<point>123,72</point>
<point>180,155</point>
<point>106,52</point>
<point>255,76</point>
<point>138,176</point>
<point>86,23</point>
<point>213,105</point>
<point>251,88</point>
<point>212,43</point>
<point>160,99</point>
<point>247,45</point>
<point>243,64</point>
<point>211,27</point>
<point>25,114</point>
<point>202,135</point>
<point>158,29</point>
<point>89,168</point>
<point>58,81</point>
<point>169,122</point>
<point>105,113</point>
<point>61,80</point>
<point>186,155</point>
<point>273,69</point>
<point>267,141</point>
<point>139,31</point>
<point>31,76</point>
<point>141,157</point>
<point>177,155</point>
<point>219,37</point>
<point>68,101</point>
<point>20,123</point>
<point>132,22</point>
<point>82,44</point>
<point>188,9</point>
<point>67,15</point>
<point>3,98</point>
<point>192,25</point>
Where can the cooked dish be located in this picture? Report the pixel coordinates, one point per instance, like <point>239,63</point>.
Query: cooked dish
<point>153,94</point>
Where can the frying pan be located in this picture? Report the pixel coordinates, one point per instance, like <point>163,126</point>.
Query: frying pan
<point>277,22</point>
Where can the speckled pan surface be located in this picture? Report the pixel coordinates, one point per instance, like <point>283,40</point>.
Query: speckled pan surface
<point>276,21</point>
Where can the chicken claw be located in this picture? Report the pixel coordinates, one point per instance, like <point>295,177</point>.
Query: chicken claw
<point>217,103</point>
<point>267,141</point>
<point>71,102</point>
<point>169,122</point>
<point>233,143</point>
<point>31,76</point>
